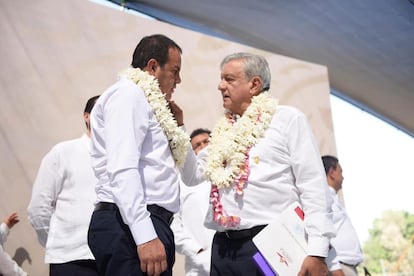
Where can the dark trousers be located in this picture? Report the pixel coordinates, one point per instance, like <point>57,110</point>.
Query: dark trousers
<point>114,248</point>
<point>233,257</point>
<point>75,268</point>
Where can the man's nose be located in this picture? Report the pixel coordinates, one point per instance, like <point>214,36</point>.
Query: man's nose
<point>221,85</point>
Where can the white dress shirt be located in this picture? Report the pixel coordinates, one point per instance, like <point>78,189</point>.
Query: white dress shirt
<point>285,167</point>
<point>62,201</point>
<point>346,243</point>
<point>131,158</point>
<point>190,234</point>
<point>4,232</point>
<point>8,267</point>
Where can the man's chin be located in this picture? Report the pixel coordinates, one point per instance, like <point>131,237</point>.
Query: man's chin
<point>226,104</point>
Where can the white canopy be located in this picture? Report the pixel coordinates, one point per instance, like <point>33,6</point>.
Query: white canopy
<point>368,46</point>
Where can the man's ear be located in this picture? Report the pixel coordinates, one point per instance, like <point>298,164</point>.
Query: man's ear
<point>86,119</point>
<point>152,66</point>
<point>86,116</point>
<point>255,85</point>
<point>331,171</point>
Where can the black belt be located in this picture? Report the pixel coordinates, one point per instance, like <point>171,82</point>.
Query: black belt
<point>241,234</point>
<point>162,212</point>
<point>152,208</point>
<point>353,266</point>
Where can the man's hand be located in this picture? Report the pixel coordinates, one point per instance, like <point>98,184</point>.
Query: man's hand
<point>152,257</point>
<point>11,220</point>
<point>177,113</point>
<point>313,266</point>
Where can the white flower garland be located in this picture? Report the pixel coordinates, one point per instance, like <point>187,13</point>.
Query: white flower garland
<point>177,138</point>
<point>232,139</point>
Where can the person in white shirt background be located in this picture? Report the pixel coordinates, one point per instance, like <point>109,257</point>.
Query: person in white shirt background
<point>62,203</point>
<point>346,243</point>
<point>8,267</point>
<point>192,238</point>
<point>261,158</point>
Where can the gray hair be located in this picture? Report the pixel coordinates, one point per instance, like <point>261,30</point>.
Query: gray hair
<point>254,65</point>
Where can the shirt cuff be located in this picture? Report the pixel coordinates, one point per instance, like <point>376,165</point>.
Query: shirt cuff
<point>4,232</point>
<point>192,248</point>
<point>318,246</point>
<point>143,231</point>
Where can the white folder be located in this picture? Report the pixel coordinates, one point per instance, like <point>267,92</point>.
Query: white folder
<point>283,242</point>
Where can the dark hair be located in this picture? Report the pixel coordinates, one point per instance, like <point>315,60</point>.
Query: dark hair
<point>329,162</point>
<point>199,131</point>
<point>90,103</point>
<point>153,46</point>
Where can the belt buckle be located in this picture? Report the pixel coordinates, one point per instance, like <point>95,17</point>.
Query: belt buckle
<point>170,220</point>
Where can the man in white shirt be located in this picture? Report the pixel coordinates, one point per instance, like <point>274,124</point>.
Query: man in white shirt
<point>62,203</point>
<point>192,238</point>
<point>137,142</point>
<point>261,158</point>
<point>346,243</point>
<point>8,267</point>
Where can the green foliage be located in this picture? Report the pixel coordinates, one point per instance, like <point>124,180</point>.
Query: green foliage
<point>390,245</point>
<point>409,222</point>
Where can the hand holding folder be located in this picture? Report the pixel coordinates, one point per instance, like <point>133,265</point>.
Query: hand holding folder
<point>282,244</point>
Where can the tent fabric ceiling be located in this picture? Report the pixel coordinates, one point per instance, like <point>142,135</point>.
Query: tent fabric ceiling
<point>368,46</point>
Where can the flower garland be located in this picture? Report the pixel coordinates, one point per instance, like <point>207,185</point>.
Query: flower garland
<point>231,140</point>
<point>177,138</point>
<point>230,143</point>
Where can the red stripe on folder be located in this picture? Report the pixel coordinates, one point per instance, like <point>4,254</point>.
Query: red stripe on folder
<point>300,213</point>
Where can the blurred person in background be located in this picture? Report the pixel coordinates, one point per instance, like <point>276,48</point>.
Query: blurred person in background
<point>192,238</point>
<point>346,243</point>
<point>8,267</point>
<point>62,203</point>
